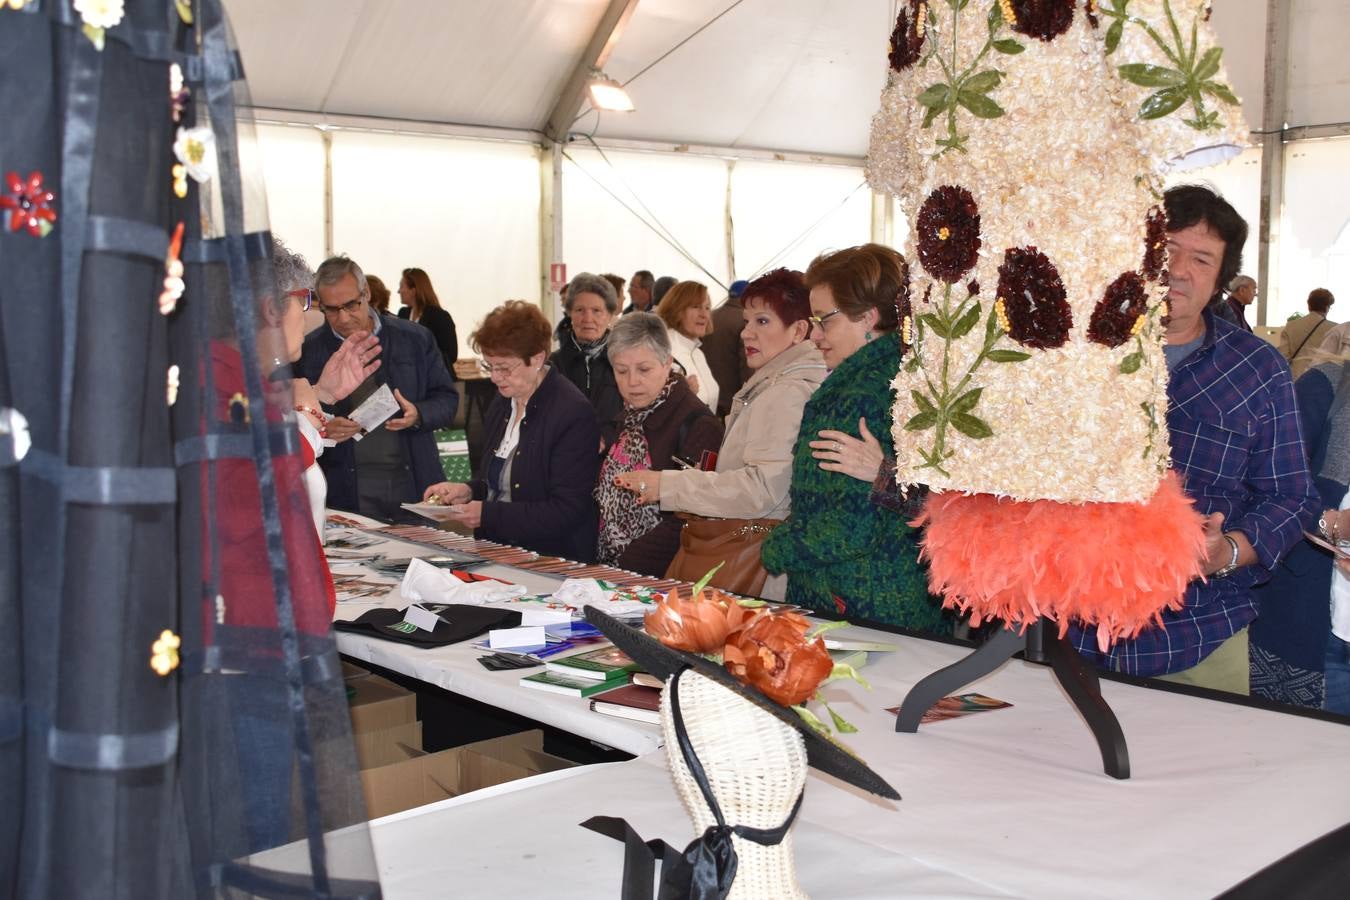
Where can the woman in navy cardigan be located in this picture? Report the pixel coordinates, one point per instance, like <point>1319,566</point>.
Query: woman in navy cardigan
<point>533,489</point>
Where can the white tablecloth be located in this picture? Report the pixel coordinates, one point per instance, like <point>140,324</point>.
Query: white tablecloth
<point>1004,803</point>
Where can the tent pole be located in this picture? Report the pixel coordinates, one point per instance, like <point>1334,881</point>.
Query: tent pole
<point>550,224</point>
<point>1274,112</point>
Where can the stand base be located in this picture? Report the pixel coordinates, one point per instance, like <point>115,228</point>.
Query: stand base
<point>1042,644</point>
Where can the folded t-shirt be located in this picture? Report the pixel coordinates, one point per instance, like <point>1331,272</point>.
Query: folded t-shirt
<point>458,622</point>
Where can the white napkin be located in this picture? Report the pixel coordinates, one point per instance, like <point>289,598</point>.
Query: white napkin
<point>579,593</point>
<point>425,582</point>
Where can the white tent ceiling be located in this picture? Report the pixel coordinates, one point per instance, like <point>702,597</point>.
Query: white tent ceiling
<point>789,75</point>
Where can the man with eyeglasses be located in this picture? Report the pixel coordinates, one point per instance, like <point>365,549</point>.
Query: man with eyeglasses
<point>396,462</point>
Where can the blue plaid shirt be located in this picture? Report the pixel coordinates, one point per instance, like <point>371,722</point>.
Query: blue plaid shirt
<point>1238,446</point>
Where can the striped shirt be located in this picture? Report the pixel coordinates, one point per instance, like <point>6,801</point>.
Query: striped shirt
<point>1238,446</point>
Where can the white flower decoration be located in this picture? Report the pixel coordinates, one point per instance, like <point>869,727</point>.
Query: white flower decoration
<point>101,13</point>
<point>196,150</point>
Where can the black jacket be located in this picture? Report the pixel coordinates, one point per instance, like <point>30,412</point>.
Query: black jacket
<point>594,378</point>
<point>553,472</point>
<point>442,327</point>
<point>412,363</point>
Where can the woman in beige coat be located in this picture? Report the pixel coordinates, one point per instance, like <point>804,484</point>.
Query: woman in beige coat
<point>754,466</point>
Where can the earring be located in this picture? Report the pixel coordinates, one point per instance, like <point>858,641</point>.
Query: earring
<point>867,337</point>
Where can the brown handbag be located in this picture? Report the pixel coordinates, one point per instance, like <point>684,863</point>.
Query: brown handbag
<point>735,543</point>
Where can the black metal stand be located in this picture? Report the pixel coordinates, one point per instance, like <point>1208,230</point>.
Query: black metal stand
<point>1042,644</point>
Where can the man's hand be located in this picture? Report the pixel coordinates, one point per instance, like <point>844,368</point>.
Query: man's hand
<point>352,364</point>
<point>340,428</point>
<point>1218,552</point>
<point>410,416</point>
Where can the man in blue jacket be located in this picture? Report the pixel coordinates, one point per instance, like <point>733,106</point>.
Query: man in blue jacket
<point>396,462</point>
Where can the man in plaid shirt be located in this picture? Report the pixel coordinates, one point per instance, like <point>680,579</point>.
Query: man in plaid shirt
<point>1237,445</point>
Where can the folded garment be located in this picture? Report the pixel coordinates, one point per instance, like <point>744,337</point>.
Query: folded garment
<point>423,581</point>
<point>456,622</point>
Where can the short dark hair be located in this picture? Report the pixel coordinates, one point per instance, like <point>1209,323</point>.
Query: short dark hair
<point>1320,300</point>
<point>783,291</point>
<point>644,279</point>
<point>1195,204</point>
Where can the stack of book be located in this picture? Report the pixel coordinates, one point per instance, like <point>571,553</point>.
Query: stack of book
<point>584,674</point>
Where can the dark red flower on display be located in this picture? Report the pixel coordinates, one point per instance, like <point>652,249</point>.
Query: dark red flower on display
<point>1155,244</point>
<point>948,229</point>
<point>1044,19</point>
<point>907,38</point>
<point>1034,299</point>
<point>28,204</point>
<point>1116,317</point>
<point>775,655</point>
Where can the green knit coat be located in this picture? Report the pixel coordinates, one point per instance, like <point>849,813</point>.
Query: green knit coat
<point>836,546</point>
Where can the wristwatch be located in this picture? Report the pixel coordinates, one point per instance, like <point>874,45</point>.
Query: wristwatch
<point>1232,563</point>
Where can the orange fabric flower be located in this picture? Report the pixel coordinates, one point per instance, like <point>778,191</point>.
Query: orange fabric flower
<point>700,623</point>
<point>773,654</point>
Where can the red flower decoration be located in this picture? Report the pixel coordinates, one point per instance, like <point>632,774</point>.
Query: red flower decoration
<point>1034,299</point>
<point>1155,244</point>
<point>1114,318</point>
<point>948,232</point>
<point>1044,19</point>
<point>28,204</point>
<point>774,655</point>
<point>907,38</point>
<point>699,623</point>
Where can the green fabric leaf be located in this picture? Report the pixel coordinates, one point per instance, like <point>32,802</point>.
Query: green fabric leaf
<point>1130,364</point>
<point>703,582</point>
<point>810,719</point>
<point>980,105</point>
<point>935,96</point>
<point>995,17</point>
<point>922,402</point>
<point>966,322</point>
<point>991,328</point>
<point>1008,46</point>
<point>844,671</point>
<point>826,626</point>
<point>967,401</point>
<point>842,725</point>
<point>982,82</point>
<point>922,422</point>
<point>1162,103</point>
<point>1146,75</point>
<point>933,113</point>
<point>971,426</point>
<point>936,325</point>
<point>1113,35</point>
<point>1219,91</point>
<point>1006,356</point>
<point>1208,66</point>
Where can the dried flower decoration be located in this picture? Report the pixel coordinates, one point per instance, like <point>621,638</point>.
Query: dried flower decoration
<point>907,38</point>
<point>164,652</point>
<point>173,274</point>
<point>1117,314</point>
<point>180,185</point>
<point>98,16</point>
<point>699,623</point>
<point>948,233</point>
<point>1155,244</point>
<point>178,92</point>
<point>195,148</point>
<point>775,655</point>
<point>1043,19</point>
<point>1034,299</point>
<point>28,204</point>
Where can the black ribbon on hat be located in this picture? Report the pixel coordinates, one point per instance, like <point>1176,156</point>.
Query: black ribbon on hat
<point>707,867</point>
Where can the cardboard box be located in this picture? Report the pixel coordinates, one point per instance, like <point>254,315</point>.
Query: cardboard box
<point>377,703</point>
<point>397,775</point>
<point>351,670</point>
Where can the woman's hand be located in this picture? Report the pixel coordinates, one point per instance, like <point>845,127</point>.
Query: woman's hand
<point>448,493</point>
<point>647,485</point>
<point>841,452</point>
<point>340,428</point>
<point>692,381</point>
<point>470,515</point>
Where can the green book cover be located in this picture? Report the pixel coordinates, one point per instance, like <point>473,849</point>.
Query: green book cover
<point>600,664</point>
<point>560,683</point>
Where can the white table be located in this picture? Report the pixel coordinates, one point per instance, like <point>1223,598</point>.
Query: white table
<point>1005,803</point>
<point>456,668</point>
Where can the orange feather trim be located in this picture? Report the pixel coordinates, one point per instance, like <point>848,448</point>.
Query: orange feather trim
<point>1112,565</point>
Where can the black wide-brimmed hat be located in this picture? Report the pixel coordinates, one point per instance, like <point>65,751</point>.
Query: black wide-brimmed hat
<point>662,661</point>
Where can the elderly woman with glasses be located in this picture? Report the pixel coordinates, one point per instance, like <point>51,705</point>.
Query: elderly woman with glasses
<point>664,426</point>
<point>591,304</point>
<point>533,488</point>
<point>841,552</point>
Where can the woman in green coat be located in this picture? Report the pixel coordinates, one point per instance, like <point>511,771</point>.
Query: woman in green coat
<point>841,552</point>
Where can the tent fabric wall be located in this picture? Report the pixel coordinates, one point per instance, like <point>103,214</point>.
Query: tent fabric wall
<point>1315,230</point>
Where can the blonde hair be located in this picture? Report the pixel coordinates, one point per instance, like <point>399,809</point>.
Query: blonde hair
<point>680,298</point>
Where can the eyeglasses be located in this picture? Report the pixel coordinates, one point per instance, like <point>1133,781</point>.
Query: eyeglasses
<point>351,306</point>
<point>305,296</point>
<point>504,371</point>
<point>821,320</point>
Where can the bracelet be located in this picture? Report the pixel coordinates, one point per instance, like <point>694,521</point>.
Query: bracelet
<point>323,420</point>
<point>1232,563</point>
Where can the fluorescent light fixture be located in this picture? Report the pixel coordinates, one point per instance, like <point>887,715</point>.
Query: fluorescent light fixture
<point>606,93</point>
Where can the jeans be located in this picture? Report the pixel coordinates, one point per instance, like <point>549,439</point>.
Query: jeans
<point>1337,697</point>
